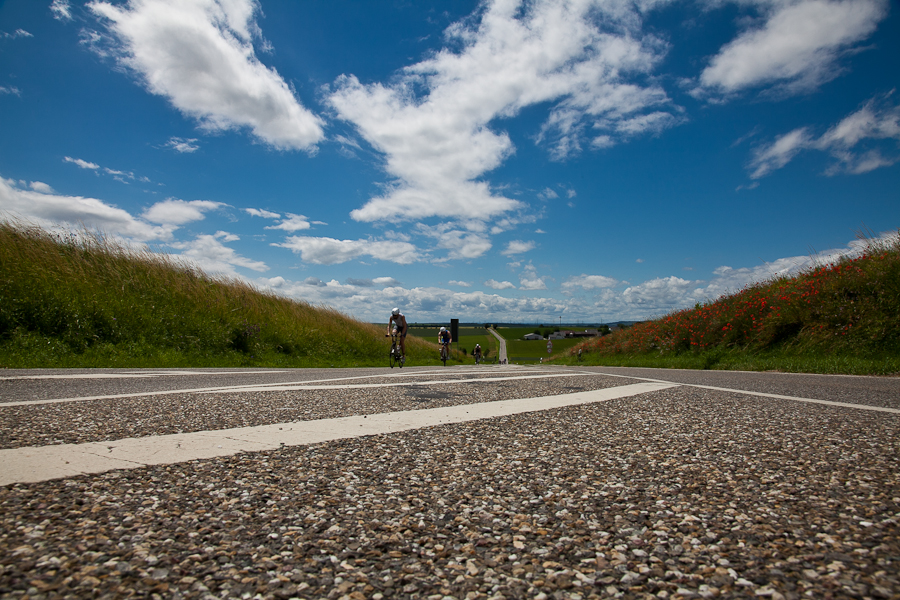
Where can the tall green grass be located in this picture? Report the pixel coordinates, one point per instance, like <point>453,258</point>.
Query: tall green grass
<point>81,300</point>
<point>842,317</point>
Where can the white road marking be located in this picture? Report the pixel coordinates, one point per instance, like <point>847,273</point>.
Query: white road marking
<point>135,375</point>
<point>760,394</point>
<point>28,465</point>
<point>265,387</point>
<point>895,411</point>
<point>275,387</point>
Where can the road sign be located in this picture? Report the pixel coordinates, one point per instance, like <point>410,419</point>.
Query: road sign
<point>549,347</point>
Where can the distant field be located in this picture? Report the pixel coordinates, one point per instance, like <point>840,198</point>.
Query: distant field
<point>468,337</point>
<point>538,348</point>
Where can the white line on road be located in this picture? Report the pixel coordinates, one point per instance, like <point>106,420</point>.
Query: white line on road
<point>134,375</point>
<point>26,465</point>
<point>294,385</point>
<point>760,394</point>
<point>275,387</point>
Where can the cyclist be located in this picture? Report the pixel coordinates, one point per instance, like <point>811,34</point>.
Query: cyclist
<point>444,340</point>
<point>398,322</point>
<point>477,353</point>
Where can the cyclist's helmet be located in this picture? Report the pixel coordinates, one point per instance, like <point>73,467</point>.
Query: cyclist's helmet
<point>443,329</point>
<point>395,312</point>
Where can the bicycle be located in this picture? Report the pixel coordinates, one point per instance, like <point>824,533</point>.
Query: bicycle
<point>478,358</point>
<point>445,354</point>
<point>395,357</point>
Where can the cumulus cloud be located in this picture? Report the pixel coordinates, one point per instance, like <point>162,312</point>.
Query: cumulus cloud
<point>861,142</point>
<point>460,245</point>
<point>436,123</point>
<point>199,55</point>
<point>529,279</point>
<point>517,247</point>
<point>460,283</point>
<point>329,251</point>
<point>40,186</point>
<point>213,256</point>
<point>385,282</point>
<point>49,209</point>
<point>173,211</point>
<point>796,48</point>
<point>292,223</point>
<point>499,285</point>
<point>659,292</point>
<point>588,282</point>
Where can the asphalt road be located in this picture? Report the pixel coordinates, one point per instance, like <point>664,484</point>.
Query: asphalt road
<point>547,482</point>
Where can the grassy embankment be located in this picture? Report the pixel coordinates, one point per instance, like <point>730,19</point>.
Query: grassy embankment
<point>82,301</point>
<point>833,318</point>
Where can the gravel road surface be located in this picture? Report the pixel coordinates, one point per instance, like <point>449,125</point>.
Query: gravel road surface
<point>686,492</point>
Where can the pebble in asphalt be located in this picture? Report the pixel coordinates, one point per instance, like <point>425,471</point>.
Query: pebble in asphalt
<point>680,493</point>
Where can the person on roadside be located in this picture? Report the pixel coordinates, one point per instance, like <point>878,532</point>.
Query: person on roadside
<point>398,322</point>
<point>477,353</point>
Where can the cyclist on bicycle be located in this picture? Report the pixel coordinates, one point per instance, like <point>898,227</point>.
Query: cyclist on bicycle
<point>477,353</point>
<point>444,339</point>
<point>398,322</point>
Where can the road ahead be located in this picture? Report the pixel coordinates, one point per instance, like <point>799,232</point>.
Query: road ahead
<point>460,482</point>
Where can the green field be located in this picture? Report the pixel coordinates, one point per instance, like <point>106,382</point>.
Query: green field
<point>535,349</point>
<point>468,337</point>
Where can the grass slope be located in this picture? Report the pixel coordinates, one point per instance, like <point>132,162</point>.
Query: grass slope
<point>833,318</point>
<point>82,301</point>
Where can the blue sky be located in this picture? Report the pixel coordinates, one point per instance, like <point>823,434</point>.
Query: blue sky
<point>501,161</point>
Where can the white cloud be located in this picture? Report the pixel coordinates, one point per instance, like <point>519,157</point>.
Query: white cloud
<point>529,280</point>
<point>213,256</point>
<point>173,211</point>
<point>499,285</point>
<point>798,46</point>
<point>49,210</point>
<point>329,251</point>
<point>82,163</point>
<point>663,292</point>
<point>61,10</point>
<point>199,55</point>
<point>461,245</point>
<point>292,223</point>
<point>875,121</point>
<point>18,33</point>
<point>40,186</point>
<point>14,91</point>
<point>517,247</point>
<point>460,283</point>
<point>589,282</point>
<point>385,282</point>
<point>779,153</point>
<point>438,144</point>
<point>183,145</point>
<point>258,212</point>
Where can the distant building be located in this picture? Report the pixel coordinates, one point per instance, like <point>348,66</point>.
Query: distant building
<point>580,334</point>
<point>533,336</point>
<point>560,335</point>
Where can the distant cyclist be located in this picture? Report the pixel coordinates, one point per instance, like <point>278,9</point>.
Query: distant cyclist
<point>398,322</point>
<point>444,339</point>
<point>477,353</point>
